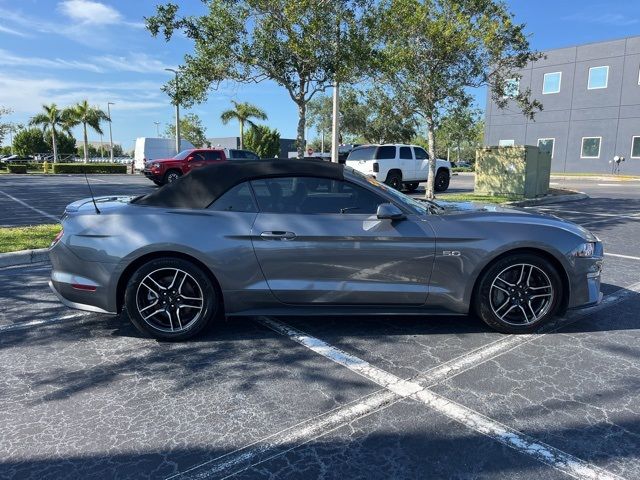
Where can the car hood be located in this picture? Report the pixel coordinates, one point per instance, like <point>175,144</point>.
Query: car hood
<point>476,211</point>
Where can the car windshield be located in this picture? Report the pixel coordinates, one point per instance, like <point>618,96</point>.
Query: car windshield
<point>182,155</point>
<point>419,207</point>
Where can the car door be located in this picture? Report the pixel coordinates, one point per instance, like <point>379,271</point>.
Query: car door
<point>319,241</point>
<point>408,163</point>
<point>421,163</point>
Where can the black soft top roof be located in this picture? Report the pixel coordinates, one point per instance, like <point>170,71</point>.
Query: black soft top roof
<point>200,187</point>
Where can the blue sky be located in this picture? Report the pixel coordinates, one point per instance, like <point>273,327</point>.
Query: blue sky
<point>66,50</point>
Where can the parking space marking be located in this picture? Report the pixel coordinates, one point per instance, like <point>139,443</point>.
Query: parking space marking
<point>615,215</point>
<point>617,255</point>
<point>468,417</point>
<point>37,210</point>
<point>35,323</point>
<point>293,437</point>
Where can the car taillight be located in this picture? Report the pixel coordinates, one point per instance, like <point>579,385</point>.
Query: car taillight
<point>376,167</point>
<point>57,239</point>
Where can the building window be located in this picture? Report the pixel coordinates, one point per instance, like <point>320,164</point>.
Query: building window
<point>551,83</point>
<point>547,145</point>
<point>598,77</point>
<point>506,143</point>
<point>590,147</point>
<point>512,88</point>
<point>635,147</point>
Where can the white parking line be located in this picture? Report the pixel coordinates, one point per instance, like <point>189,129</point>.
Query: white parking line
<point>37,210</point>
<point>610,184</point>
<point>304,432</point>
<point>468,417</point>
<point>34,323</point>
<point>560,211</point>
<point>629,257</point>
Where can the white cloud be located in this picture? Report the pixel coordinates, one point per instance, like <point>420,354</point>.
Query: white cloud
<point>135,62</point>
<point>89,12</point>
<point>8,59</point>
<point>25,95</point>
<point>11,31</point>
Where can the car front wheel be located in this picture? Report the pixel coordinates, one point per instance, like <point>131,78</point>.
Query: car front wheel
<point>171,299</point>
<point>518,294</point>
<point>442,181</point>
<point>171,176</point>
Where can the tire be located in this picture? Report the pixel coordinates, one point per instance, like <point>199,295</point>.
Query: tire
<point>394,180</point>
<point>171,176</point>
<point>192,301</point>
<point>411,187</point>
<point>442,181</point>
<point>503,299</point>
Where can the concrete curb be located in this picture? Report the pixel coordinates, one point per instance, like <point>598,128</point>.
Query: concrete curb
<point>600,178</point>
<point>24,257</point>
<point>572,197</point>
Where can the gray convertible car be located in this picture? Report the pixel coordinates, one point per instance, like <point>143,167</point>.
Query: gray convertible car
<point>314,238</point>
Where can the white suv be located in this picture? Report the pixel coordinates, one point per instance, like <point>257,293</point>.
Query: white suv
<point>399,165</point>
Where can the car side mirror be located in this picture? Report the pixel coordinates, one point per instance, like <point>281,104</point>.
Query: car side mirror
<point>190,158</point>
<point>388,211</point>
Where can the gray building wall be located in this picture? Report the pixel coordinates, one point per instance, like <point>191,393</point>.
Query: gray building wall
<point>612,113</point>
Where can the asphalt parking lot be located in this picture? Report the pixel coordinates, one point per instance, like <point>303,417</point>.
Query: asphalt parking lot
<point>84,396</point>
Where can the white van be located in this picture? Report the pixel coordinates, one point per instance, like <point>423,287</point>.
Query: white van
<point>148,148</point>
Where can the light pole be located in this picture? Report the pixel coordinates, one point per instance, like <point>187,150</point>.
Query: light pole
<point>157,129</point>
<point>110,132</point>
<point>177,103</point>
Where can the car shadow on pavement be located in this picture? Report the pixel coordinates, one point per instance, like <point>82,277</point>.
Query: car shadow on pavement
<point>375,448</point>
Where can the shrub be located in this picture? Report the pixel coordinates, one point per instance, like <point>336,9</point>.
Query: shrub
<point>88,168</point>
<point>14,168</point>
<point>462,169</point>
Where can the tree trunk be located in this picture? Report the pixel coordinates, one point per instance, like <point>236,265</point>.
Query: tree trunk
<point>431,138</point>
<point>241,135</point>
<point>86,144</point>
<point>300,140</point>
<point>53,143</point>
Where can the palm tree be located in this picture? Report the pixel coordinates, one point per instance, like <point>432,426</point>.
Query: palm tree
<point>85,114</point>
<point>52,120</point>
<point>243,112</point>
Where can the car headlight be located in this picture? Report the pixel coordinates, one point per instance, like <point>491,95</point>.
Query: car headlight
<point>155,165</point>
<point>587,249</point>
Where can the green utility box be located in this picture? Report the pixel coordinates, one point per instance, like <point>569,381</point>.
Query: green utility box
<point>515,171</point>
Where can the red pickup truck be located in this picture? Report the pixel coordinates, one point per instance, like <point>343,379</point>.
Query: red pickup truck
<point>170,169</point>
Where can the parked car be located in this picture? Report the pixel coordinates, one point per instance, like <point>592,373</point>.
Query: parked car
<point>168,170</point>
<point>237,154</point>
<point>17,159</point>
<point>399,166</point>
<point>148,149</point>
<point>314,238</point>
<point>463,164</point>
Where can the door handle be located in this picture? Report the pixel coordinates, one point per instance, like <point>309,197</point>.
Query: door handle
<point>278,235</point>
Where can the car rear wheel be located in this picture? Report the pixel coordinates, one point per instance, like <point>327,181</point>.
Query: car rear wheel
<point>171,299</point>
<point>171,176</point>
<point>518,294</point>
<point>411,187</point>
<point>394,180</point>
<point>442,181</point>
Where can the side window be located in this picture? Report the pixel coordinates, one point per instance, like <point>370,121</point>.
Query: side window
<point>197,157</point>
<point>421,154</point>
<point>405,153</point>
<point>238,199</point>
<point>386,152</point>
<point>212,156</point>
<point>250,155</point>
<point>311,195</point>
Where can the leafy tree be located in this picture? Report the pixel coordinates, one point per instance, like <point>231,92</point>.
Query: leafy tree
<point>5,150</point>
<point>292,42</point>
<point>88,116</point>
<point>263,140</point>
<point>65,142</point>
<point>4,127</point>
<point>53,120</point>
<point>243,112</point>
<point>435,50</point>
<point>371,116</point>
<point>460,130</point>
<point>191,129</point>
<point>29,141</point>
